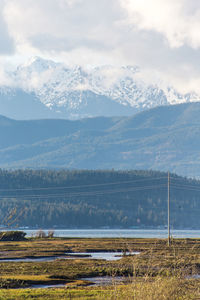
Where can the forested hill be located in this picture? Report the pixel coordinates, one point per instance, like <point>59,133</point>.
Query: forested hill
<point>94,199</point>
<point>164,138</point>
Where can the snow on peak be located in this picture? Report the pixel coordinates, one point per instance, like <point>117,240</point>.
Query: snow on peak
<point>56,84</point>
<point>38,64</point>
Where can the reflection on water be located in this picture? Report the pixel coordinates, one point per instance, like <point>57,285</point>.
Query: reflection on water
<point>75,255</point>
<point>108,280</point>
<point>100,255</point>
<point>98,281</point>
<point>39,259</point>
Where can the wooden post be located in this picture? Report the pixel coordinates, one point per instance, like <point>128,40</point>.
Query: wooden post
<point>169,240</point>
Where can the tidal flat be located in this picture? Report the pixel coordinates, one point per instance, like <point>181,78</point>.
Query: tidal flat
<point>157,272</point>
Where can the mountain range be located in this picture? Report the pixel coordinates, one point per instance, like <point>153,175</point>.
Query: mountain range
<point>46,89</point>
<point>163,138</point>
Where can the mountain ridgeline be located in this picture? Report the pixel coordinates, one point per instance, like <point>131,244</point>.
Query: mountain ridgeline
<point>164,138</point>
<point>77,92</point>
<point>97,199</point>
<point>55,90</point>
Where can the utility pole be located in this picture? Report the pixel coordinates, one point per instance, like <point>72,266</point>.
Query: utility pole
<point>169,240</point>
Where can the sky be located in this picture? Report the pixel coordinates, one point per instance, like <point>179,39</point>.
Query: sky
<point>162,37</point>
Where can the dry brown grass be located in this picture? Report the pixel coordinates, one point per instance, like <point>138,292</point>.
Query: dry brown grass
<point>157,289</point>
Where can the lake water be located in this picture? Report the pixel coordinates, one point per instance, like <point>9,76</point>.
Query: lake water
<point>76,255</point>
<point>120,233</point>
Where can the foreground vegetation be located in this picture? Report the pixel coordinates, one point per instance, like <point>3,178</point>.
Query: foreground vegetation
<point>158,272</point>
<point>157,289</point>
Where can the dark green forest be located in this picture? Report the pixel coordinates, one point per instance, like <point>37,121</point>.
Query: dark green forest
<point>97,199</point>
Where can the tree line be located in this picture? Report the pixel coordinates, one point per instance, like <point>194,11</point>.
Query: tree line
<point>97,198</point>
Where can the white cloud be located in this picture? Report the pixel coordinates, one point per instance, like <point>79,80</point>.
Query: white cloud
<point>161,36</point>
<point>177,20</point>
<point>5,79</point>
<point>62,25</point>
<point>6,42</point>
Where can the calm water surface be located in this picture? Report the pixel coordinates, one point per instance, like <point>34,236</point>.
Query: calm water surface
<point>120,233</point>
<point>76,255</point>
<point>102,255</point>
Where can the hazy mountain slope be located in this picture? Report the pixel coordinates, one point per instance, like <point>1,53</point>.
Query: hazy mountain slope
<point>178,115</point>
<point>18,104</point>
<point>13,132</point>
<point>162,138</point>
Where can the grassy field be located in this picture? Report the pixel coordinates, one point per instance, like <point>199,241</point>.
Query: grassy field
<point>158,272</point>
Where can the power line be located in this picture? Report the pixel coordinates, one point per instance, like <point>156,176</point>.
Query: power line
<point>185,181</point>
<point>81,186</point>
<point>185,188</point>
<point>94,193</point>
<point>78,194</point>
<point>186,185</point>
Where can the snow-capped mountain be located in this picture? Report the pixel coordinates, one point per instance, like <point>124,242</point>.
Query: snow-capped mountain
<point>75,92</point>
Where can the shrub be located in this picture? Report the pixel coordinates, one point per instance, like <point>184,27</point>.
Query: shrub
<point>12,236</point>
<point>51,233</point>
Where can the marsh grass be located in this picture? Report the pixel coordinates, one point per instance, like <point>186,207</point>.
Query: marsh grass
<point>156,289</point>
<point>158,273</point>
<point>159,288</point>
<point>162,274</point>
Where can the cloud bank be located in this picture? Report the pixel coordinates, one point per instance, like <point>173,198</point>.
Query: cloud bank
<point>160,36</point>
